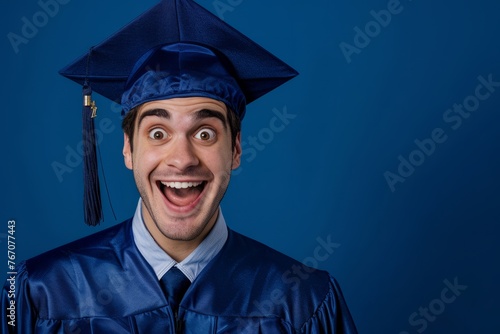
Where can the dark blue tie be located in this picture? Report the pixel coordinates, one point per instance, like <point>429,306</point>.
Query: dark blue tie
<point>174,284</point>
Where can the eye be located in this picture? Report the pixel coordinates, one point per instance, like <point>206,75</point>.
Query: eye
<point>158,134</point>
<point>205,134</point>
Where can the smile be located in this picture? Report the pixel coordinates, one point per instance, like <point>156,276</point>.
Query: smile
<point>181,185</point>
<point>182,194</point>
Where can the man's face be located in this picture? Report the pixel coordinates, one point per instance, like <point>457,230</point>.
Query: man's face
<point>182,159</point>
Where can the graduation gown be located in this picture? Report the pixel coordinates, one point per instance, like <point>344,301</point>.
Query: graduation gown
<point>102,284</point>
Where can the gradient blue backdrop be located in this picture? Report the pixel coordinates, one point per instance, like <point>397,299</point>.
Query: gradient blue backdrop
<point>322,175</point>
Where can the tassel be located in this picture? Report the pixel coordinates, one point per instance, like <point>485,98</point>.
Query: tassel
<point>91,189</point>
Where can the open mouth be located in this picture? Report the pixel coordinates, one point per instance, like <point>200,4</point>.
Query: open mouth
<point>182,193</point>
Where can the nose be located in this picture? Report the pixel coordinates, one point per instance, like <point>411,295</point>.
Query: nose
<point>181,154</point>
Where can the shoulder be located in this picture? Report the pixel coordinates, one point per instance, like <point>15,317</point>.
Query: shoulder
<point>307,299</point>
<point>104,272</point>
<point>281,270</point>
<point>84,249</point>
<point>55,279</point>
<point>262,283</point>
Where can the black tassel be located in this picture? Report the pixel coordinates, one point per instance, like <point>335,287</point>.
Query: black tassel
<point>91,189</point>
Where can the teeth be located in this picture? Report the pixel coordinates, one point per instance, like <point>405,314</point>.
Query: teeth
<point>181,185</point>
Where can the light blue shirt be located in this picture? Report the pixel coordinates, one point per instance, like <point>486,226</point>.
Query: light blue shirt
<point>194,263</point>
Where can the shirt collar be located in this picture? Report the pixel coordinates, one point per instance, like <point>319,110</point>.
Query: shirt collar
<point>194,263</point>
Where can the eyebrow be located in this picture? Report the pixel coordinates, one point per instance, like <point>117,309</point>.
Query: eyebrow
<point>209,113</point>
<point>199,115</point>
<point>154,112</point>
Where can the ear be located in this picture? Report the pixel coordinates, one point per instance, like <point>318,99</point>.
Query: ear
<point>127,152</point>
<point>237,152</point>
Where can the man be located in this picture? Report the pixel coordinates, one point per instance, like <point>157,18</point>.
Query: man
<point>184,78</point>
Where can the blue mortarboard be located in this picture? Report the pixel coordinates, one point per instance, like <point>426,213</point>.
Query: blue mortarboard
<point>175,49</point>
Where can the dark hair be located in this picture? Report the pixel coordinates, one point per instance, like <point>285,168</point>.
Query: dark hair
<point>128,125</point>
<point>234,121</point>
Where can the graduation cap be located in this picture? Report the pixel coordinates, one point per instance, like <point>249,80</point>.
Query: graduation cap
<point>175,49</point>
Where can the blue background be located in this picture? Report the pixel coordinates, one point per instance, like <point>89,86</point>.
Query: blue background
<point>322,176</point>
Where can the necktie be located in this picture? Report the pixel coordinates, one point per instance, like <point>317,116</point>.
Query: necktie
<point>174,284</point>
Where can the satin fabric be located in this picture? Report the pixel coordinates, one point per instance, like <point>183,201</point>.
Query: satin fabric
<point>108,66</point>
<point>102,284</point>
<point>182,70</point>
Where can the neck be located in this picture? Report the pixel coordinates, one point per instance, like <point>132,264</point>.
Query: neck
<point>177,248</point>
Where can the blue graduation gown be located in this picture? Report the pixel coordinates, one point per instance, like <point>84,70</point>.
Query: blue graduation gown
<point>102,284</point>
